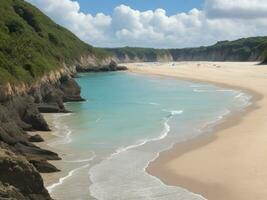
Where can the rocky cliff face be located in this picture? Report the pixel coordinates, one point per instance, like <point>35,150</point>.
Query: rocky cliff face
<point>215,54</point>
<point>197,54</point>
<point>92,64</point>
<point>126,58</point>
<point>19,179</point>
<point>244,49</point>
<point>38,59</point>
<point>20,111</point>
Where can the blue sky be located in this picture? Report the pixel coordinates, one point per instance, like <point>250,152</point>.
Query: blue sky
<point>171,6</point>
<point>158,23</point>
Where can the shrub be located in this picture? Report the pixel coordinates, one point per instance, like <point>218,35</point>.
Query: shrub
<point>15,27</point>
<point>53,39</point>
<point>29,17</point>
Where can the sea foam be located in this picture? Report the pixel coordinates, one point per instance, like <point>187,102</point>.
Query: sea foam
<point>62,131</point>
<point>163,134</point>
<point>61,180</point>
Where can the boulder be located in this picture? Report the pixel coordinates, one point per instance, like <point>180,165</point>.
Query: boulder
<point>35,152</point>
<point>20,179</point>
<point>43,166</point>
<point>36,138</point>
<point>70,89</point>
<point>48,108</point>
<point>9,192</point>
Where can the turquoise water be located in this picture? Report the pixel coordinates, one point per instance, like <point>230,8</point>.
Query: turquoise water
<point>125,122</point>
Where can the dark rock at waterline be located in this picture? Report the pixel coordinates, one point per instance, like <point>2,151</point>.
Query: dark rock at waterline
<point>113,66</point>
<point>19,179</point>
<point>36,138</point>
<point>33,117</point>
<point>52,95</point>
<point>35,152</point>
<point>75,76</point>
<point>71,90</point>
<point>24,112</point>
<point>122,68</point>
<point>48,108</point>
<point>43,166</point>
<point>9,192</point>
<point>11,134</point>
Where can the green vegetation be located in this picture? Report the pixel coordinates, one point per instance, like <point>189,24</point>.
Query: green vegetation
<point>140,53</point>
<point>245,49</point>
<point>31,44</point>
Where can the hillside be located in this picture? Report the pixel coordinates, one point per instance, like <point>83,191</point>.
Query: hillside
<point>38,60</point>
<point>245,49</point>
<point>31,44</point>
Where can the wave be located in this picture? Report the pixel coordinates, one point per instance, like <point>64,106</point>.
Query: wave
<point>123,149</point>
<point>154,104</point>
<point>224,90</point>
<point>149,103</point>
<point>98,119</point>
<point>63,136</point>
<point>241,94</point>
<point>101,182</point>
<point>81,160</point>
<point>173,112</point>
<point>61,180</point>
<point>59,115</point>
<point>245,98</point>
<point>211,124</point>
<point>218,90</point>
<point>195,86</point>
<point>200,91</point>
<point>62,133</point>
<point>163,134</point>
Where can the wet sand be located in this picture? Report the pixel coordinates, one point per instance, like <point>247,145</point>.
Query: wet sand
<point>231,163</point>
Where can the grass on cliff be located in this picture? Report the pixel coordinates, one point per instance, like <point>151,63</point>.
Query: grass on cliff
<point>244,49</point>
<point>148,54</point>
<point>31,44</point>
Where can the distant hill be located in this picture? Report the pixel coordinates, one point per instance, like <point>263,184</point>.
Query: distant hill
<point>38,60</point>
<point>245,49</point>
<point>31,45</point>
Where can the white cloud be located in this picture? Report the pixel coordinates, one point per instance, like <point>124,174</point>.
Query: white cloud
<point>219,20</point>
<point>245,9</point>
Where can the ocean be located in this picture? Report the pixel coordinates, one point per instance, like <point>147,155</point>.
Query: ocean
<point>127,120</point>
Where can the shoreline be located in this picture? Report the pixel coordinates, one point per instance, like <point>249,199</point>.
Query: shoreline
<point>67,168</point>
<point>49,136</point>
<point>165,166</point>
<point>50,178</point>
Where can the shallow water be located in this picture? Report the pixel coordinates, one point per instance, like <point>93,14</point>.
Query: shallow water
<point>125,122</point>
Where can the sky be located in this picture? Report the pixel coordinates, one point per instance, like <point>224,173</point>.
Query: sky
<point>158,23</point>
<point>171,6</point>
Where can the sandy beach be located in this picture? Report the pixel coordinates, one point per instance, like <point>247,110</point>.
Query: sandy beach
<point>231,163</point>
<point>52,178</point>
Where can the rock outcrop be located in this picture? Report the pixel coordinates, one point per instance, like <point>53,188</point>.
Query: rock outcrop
<point>244,49</point>
<point>111,66</point>
<point>20,111</point>
<point>19,179</point>
<point>38,60</point>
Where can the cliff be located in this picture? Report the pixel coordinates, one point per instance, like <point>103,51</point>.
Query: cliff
<point>38,60</point>
<point>245,49</point>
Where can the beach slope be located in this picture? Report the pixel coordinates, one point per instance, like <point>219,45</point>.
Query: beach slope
<point>230,164</point>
